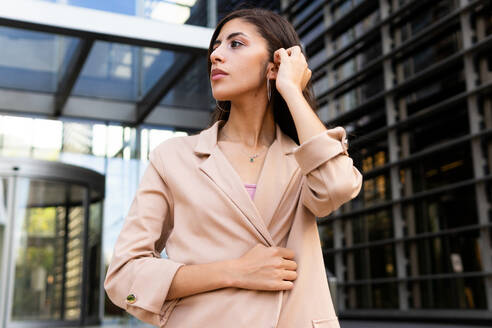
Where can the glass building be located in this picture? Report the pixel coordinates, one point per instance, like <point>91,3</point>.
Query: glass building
<point>93,86</point>
<point>50,233</point>
<point>411,83</point>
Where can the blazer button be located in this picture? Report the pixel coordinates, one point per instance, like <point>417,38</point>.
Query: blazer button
<point>130,299</point>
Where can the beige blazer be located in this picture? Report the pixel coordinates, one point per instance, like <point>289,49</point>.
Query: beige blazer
<point>192,202</point>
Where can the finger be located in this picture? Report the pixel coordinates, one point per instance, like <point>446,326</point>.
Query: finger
<point>289,275</point>
<point>289,264</point>
<point>285,284</point>
<point>282,53</point>
<point>295,50</point>
<point>276,57</point>
<point>278,54</point>
<point>286,253</point>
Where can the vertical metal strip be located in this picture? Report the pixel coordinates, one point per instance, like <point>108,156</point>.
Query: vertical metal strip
<point>475,119</point>
<point>6,254</point>
<point>65,249</point>
<point>10,260</point>
<point>391,117</point>
<point>85,259</point>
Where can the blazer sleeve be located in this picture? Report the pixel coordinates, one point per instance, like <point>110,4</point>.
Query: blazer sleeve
<point>136,267</point>
<point>330,178</point>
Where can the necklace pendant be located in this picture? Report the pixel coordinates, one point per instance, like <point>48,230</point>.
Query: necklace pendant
<point>251,159</point>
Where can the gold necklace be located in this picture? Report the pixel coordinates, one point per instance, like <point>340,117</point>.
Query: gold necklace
<point>251,158</point>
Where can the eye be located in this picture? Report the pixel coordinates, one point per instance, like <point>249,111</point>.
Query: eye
<point>236,42</point>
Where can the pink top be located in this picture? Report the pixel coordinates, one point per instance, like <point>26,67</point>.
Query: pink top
<point>251,188</point>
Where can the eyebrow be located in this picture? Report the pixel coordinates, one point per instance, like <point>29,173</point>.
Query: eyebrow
<point>229,37</point>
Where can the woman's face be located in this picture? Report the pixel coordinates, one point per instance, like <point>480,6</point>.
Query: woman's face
<point>241,52</point>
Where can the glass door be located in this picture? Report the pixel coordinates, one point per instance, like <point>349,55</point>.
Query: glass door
<point>48,250</point>
<point>50,244</point>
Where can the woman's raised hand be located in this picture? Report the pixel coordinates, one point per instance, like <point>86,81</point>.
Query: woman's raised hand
<point>265,268</point>
<point>293,72</point>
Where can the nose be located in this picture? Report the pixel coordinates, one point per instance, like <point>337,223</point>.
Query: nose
<point>216,55</point>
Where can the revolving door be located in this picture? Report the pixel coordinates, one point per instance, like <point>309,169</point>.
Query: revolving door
<point>50,244</point>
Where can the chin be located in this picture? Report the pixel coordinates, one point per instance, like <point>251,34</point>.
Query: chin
<point>221,96</point>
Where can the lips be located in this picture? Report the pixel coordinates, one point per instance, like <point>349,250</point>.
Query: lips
<point>217,71</point>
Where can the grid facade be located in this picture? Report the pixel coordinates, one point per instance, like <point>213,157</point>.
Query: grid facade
<point>411,82</point>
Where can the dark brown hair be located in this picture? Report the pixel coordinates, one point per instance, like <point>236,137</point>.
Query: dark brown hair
<point>278,33</point>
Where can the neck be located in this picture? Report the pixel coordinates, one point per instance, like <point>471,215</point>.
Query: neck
<point>252,127</point>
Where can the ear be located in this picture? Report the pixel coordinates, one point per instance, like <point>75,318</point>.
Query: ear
<point>272,70</point>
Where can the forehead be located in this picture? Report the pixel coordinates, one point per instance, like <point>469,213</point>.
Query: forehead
<point>238,25</point>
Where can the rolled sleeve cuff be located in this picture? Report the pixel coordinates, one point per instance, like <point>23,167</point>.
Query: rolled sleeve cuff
<point>152,282</point>
<point>320,148</point>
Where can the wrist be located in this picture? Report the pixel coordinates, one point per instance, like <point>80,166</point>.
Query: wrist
<point>231,273</point>
<point>291,92</point>
<point>292,95</point>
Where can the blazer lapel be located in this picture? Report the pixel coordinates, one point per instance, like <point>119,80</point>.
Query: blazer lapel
<point>221,172</point>
<point>276,174</point>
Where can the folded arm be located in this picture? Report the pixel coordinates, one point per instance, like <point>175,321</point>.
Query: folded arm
<point>138,279</point>
<point>330,178</point>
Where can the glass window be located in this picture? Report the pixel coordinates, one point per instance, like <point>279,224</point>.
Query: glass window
<point>321,85</point>
<point>454,122</point>
<point>342,9</point>
<point>111,72</point>
<point>317,58</point>
<point>376,190</point>
<point>432,53</point>
<point>27,137</point>
<point>456,253</point>
<point>372,296</point>
<point>449,293</point>
<point>357,30</point>
<point>427,16</point>
<point>370,263</point>
<point>192,90</point>
<point>305,12</point>
<point>48,248</point>
<point>315,31</point>
<point>176,11</point>
<point>94,254</point>
<point>447,210</point>
<point>450,166</point>
<point>32,60</point>
<point>326,235</point>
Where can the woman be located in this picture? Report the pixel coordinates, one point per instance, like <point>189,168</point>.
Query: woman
<point>236,205</point>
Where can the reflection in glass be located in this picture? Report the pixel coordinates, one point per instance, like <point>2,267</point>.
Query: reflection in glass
<point>449,254</point>
<point>452,293</point>
<point>3,201</point>
<point>94,254</point>
<point>75,249</point>
<point>111,72</point>
<point>32,60</point>
<point>372,226</point>
<point>376,296</point>
<point>357,30</point>
<point>444,211</point>
<point>49,248</point>
<point>39,239</point>
<point>433,53</point>
<point>431,14</point>
<point>4,183</point>
<point>193,89</point>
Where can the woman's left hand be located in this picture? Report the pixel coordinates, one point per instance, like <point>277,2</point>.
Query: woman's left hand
<point>293,72</point>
